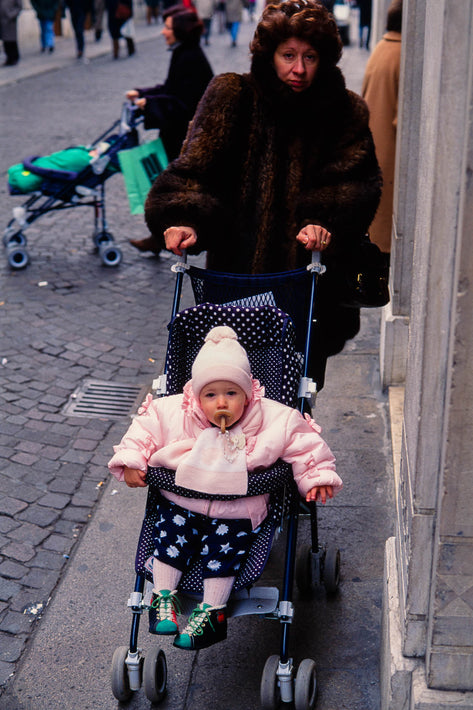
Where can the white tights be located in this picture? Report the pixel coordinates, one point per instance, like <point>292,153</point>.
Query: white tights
<point>216,589</point>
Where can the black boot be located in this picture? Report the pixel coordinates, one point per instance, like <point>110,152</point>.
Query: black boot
<point>130,46</point>
<point>11,52</point>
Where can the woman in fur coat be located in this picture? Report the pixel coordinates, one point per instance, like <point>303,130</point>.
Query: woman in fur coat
<point>277,163</point>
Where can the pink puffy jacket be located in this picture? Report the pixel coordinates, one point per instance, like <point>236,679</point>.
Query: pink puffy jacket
<point>166,429</point>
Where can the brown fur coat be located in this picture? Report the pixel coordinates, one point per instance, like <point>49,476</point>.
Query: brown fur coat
<point>259,163</point>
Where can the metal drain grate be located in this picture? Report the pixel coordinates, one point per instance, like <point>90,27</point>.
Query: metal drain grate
<point>105,399</point>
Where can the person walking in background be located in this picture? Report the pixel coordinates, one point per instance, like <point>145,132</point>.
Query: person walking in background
<point>152,11</point>
<point>205,10</point>
<point>288,168</point>
<point>99,10</point>
<point>9,11</point>
<point>234,13</point>
<point>365,8</point>
<point>46,13</point>
<point>119,12</point>
<point>78,10</point>
<point>380,90</point>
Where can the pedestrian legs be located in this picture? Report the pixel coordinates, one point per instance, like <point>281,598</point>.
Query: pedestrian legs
<point>47,35</point>
<point>12,53</point>
<point>234,29</point>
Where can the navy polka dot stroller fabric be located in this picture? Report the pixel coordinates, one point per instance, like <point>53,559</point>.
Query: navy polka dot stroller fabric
<point>268,336</point>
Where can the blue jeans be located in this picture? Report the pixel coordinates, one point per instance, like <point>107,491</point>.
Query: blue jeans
<point>47,33</point>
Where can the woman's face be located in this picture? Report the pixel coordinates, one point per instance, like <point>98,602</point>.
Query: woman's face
<point>296,62</point>
<point>168,32</point>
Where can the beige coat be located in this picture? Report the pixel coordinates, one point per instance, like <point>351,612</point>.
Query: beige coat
<point>380,91</point>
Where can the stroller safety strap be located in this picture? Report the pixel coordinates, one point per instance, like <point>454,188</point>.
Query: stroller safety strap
<point>270,480</point>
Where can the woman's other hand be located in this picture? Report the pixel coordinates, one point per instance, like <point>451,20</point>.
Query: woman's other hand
<point>132,94</point>
<point>179,238</point>
<point>314,237</point>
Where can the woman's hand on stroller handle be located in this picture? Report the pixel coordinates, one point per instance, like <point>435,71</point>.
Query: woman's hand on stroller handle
<point>319,493</point>
<point>313,237</point>
<point>179,238</point>
<point>134,478</point>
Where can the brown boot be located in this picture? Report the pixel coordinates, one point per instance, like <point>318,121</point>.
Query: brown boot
<point>146,244</point>
<point>116,48</point>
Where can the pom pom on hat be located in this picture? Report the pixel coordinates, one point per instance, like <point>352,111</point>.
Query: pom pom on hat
<point>221,358</point>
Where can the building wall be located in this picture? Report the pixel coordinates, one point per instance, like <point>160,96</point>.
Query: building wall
<point>432,292</point>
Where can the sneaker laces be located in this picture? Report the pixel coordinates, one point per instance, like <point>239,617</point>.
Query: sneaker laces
<point>167,605</point>
<point>196,622</point>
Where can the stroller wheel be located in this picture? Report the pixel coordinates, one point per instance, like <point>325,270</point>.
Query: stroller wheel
<point>155,675</point>
<point>305,690</point>
<point>110,254</point>
<point>101,238</point>
<point>17,239</point>
<point>17,257</point>
<point>331,574</point>
<point>307,569</point>
<point>270,693</point>
<point>119,675</point>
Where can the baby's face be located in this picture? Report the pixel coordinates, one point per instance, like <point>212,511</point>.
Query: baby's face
<point>223,399</point>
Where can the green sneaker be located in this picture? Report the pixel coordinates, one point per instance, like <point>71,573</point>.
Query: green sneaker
<point>206,625</point>
<point>162,613</point>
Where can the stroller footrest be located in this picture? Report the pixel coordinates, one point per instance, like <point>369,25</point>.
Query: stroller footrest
<point>257,600</point>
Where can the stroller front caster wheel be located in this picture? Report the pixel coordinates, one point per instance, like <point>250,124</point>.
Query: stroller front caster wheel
<point>305,690</point>
<point>270,693</point>
<point>155,675</point>
<point>110,254</point>
<point>101,238</point>
<point>17,256</point>
<point>331,574</point>
<point>119,675</point>
<point>17,239</point>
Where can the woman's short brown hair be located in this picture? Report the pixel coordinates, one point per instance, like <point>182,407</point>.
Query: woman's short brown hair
<point>307,20</point>
<point>186,24</point>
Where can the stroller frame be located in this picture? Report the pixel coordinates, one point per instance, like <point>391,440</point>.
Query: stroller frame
<point>311,565</point>
<point>65,189</point>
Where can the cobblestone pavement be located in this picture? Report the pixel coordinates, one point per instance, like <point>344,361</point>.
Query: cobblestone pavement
<point>66,319</point>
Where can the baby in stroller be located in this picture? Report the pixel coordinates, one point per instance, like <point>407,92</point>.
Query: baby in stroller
<point>220,429</point>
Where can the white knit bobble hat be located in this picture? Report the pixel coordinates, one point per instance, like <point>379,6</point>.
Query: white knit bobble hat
<point>221,358</point>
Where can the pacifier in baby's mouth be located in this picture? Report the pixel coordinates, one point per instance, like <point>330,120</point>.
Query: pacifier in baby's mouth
<point>221,417</point>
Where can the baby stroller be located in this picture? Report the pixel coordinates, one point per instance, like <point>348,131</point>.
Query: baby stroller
<point>277,344</point>
<point>52,189</point>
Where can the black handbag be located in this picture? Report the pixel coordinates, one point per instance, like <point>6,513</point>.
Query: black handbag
<point>365,277</point>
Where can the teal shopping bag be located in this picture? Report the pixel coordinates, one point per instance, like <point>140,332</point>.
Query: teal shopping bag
<point>140,167</point>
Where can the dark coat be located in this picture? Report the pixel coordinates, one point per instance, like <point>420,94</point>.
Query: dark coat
<point>259,163</point>
<point>45,9</point>
<point>9,11</point>
<point>113,22</point>
<point>170,106</point>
